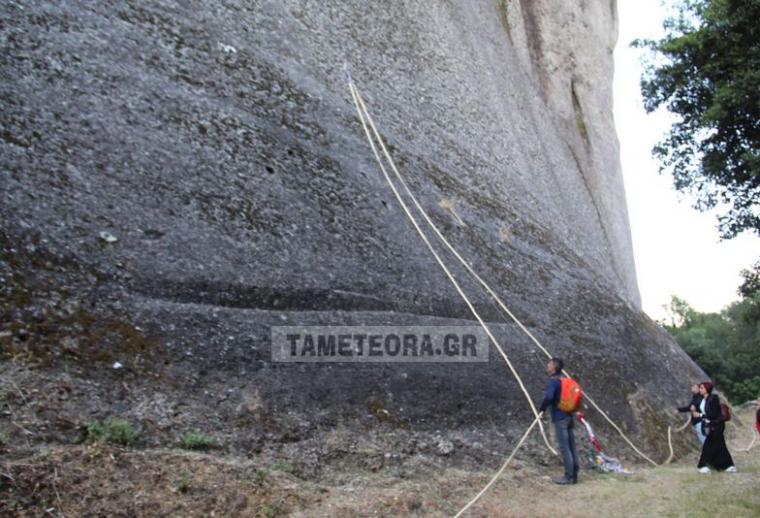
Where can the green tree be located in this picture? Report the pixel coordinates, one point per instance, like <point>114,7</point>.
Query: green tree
<point>726,344</point>
<point>706,70</point>
<point>751,283</point>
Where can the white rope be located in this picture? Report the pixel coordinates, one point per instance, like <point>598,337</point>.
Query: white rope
<point>685,425</point>
<point>755,434</point>
<point>482,282</point>
<point>751,444</point>
<point>616,427</point>
<point>670,439</point>
<point>362,111</point>
<point>501,470</point>
<point>753,431</point>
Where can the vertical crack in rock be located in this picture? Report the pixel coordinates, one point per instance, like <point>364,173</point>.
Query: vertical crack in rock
<point>502,6</point>
<point>580,121</point>
<point>599,216</point>
<point>535,44</point>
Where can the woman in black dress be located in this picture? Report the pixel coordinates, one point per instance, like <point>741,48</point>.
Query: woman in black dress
<point>714,451</point>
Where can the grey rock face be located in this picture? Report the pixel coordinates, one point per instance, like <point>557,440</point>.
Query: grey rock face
<point>215,145</point>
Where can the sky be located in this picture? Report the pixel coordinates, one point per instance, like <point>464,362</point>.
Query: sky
<point>677,249</point>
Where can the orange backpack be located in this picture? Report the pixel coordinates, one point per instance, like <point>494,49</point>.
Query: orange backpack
<point>570,395</point>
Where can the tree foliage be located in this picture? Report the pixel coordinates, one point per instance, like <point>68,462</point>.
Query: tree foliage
<point>706,70</point>
<point>751,283</point>
<point>726,344</point>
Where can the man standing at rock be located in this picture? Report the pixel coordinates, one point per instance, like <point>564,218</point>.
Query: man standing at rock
<point>563,423</point>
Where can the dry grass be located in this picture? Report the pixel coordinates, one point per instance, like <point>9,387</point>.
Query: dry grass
<point>675,490</point>
<point>102,479</point>
<point>667,491</point>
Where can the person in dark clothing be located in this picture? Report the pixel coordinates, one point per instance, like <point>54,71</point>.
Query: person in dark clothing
<point>696,400</point>
<point>714,451</point>
<point>563,423</point>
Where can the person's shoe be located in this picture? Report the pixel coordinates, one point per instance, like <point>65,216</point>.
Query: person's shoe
<point>564,481</point>
<point>731,469</point>
<point>705,469</point>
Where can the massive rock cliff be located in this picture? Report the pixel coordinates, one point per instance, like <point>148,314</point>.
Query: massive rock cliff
<point>179,176</point>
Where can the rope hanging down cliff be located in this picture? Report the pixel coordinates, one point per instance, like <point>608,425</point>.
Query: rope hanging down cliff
<point>364,113</point>
<point>477,277</point>
<point>360,106</point>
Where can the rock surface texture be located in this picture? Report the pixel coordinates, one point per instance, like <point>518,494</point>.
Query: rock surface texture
<point>179,176</point>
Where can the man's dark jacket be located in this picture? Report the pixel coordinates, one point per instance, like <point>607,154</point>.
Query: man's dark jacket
<point>696,400</point>
<point>551,398</point>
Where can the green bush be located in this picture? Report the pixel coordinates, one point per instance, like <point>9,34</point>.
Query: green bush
<point>196,441</point>
<point>116,431</point>
<point>726,344</point>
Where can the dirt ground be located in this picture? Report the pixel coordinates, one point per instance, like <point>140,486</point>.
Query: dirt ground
<point>98,479</point>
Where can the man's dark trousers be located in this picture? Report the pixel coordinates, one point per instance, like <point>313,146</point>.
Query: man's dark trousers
<point>566,439</point>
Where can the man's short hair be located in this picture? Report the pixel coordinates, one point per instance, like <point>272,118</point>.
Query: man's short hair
<point>558,364</point>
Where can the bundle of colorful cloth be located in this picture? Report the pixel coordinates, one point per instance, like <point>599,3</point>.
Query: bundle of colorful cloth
<point>599,459</point>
